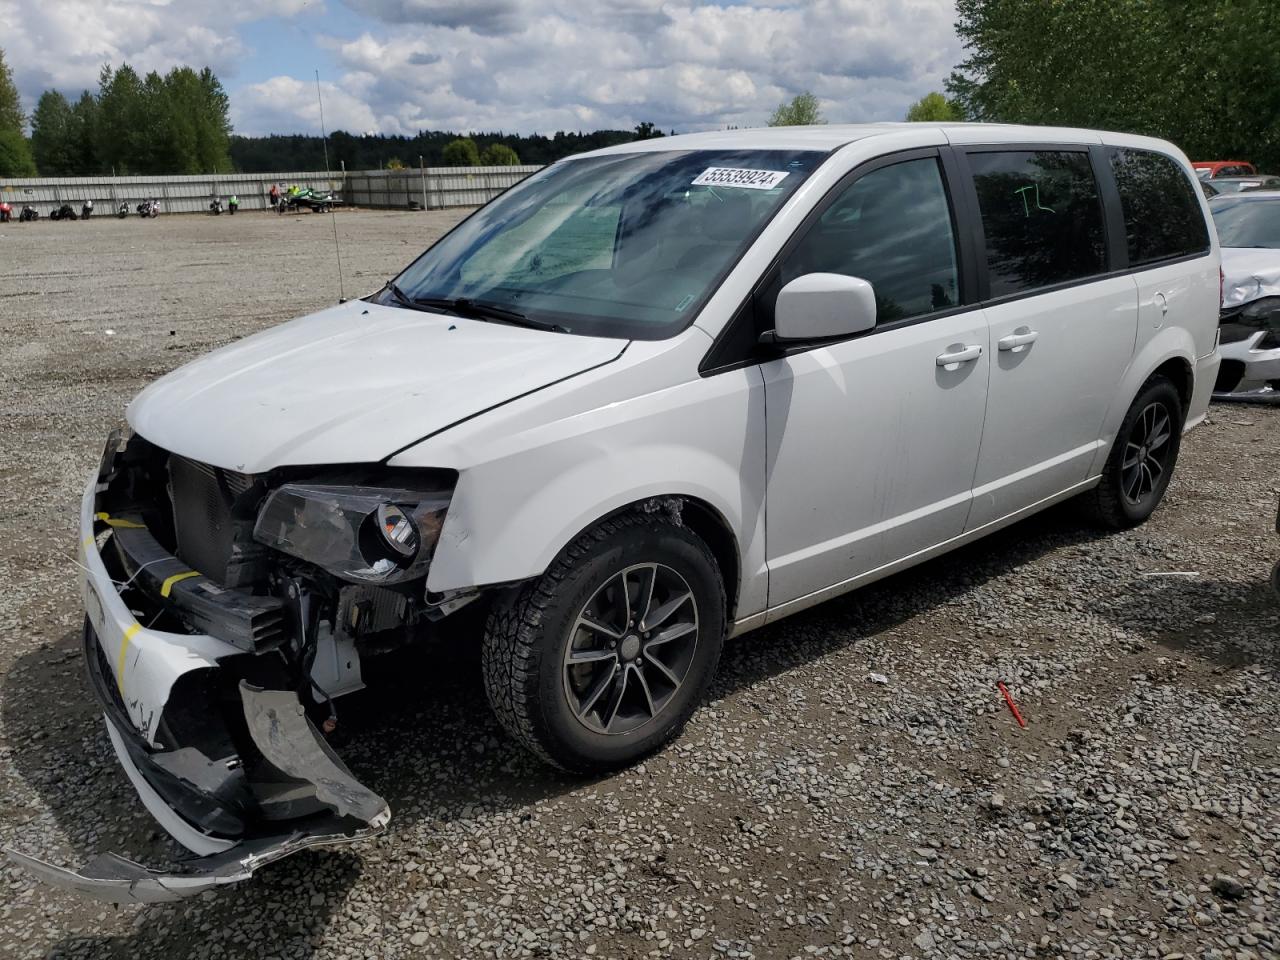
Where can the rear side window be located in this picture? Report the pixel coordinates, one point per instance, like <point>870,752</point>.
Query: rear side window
<point>1041,217</point>
<point>1162,216</point>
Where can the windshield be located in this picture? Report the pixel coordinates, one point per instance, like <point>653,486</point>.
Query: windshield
<point>626,245</point>
<point>1244,222</point>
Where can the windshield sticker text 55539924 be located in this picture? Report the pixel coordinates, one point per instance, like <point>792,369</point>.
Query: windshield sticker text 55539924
<point>738,177</point>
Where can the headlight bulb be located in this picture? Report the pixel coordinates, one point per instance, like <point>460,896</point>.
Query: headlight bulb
<point>398,531</point>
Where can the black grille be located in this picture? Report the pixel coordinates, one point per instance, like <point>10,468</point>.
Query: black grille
<point>1230,374</point>
<point>205,516</point>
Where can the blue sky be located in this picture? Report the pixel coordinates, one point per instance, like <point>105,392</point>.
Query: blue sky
<point>396,66</point>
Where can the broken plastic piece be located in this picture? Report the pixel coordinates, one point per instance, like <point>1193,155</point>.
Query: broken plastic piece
<point>1013,707</point>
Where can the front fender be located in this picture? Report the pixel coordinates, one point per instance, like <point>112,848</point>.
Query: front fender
<point>520,502</point>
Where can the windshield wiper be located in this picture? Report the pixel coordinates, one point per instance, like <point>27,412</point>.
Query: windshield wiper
<point>479,310</point>
<point>400,296</point>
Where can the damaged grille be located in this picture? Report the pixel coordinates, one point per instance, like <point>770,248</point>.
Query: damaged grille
<point>213,513</point>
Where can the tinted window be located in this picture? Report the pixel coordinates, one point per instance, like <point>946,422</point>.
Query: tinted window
<point>1162,216</point>
<point>891,227</point>
<point>1042,218</point>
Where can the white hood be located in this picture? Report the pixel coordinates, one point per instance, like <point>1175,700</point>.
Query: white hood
<point>351,384</point>
<point>1249,274</point>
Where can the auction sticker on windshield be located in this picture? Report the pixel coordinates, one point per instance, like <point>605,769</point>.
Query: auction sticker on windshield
<point>738,177</point>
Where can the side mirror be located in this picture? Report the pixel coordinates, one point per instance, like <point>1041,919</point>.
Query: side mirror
<point>819,305</point>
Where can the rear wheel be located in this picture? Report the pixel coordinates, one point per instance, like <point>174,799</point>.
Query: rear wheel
<point>1141,462</point>
<point>604,657</point>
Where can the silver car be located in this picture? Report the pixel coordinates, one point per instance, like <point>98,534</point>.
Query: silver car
<point>1249,231</point>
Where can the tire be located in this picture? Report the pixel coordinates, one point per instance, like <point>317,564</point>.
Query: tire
<point>1124,498</point>
<point>612,706</point>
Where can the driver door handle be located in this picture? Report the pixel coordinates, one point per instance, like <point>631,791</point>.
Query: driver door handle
<point>962,355</point>
<point>1020,338</point>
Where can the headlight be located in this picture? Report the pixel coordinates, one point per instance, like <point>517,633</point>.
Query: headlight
<point>362,534</point>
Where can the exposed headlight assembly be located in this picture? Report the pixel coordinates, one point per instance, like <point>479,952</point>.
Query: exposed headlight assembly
<point>362,534</point>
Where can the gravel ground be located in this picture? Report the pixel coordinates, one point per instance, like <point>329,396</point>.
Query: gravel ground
<point>809,810</point>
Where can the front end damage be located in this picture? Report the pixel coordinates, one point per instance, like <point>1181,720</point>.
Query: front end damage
<point>225,613</point>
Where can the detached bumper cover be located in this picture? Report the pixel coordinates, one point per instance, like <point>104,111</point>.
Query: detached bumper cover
<point>235,810</point>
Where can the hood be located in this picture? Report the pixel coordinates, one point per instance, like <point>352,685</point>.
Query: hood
<point>351,384</point>
<point>1249,274</point>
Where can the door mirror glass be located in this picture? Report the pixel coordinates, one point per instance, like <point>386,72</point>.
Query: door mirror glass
<point>819,305</point>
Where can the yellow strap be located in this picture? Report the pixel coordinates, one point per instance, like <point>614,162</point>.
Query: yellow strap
<point>129,633</point>
<point>167,586</point>
<point>122,524</point>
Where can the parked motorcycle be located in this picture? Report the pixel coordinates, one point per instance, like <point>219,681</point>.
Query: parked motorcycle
<point>149,208</point>
<point>28,213</point>
<point>122,211</point>
<point>215,206</point>
<point>6,213</point>
<point>63,212</point>
<point>86,210</point>
<point>233,205</point>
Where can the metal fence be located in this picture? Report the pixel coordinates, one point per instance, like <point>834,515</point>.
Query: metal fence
<point>433,188</point>
<point>176,194</point>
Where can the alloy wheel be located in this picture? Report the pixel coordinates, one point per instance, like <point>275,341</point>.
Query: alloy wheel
<point>630,649</point>
<point>1146,454</point>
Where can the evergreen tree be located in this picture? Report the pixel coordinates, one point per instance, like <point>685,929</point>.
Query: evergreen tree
<point>11,115</point>
<point>85,119</point>
<point>53,136</point>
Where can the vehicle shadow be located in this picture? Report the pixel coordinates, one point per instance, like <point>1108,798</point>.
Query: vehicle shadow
<point>1230,624</point>
<point>422,736</point>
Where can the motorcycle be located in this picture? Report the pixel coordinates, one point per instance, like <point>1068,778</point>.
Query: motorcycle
<point>233,205</point>
<point>122,211</point>
<point>63,212</point>
<point>28,213</point>
<point>86,210</point>
<point>6,213</point>
<point>215,206</point>
<point>149,208</point>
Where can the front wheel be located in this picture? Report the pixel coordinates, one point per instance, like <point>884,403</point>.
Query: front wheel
<point>1141,462</point>
<point>603,658</point>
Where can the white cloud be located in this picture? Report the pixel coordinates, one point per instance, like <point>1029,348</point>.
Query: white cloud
<point>516,65</point>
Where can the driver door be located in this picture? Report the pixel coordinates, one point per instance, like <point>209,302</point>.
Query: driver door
<point>873,441</point>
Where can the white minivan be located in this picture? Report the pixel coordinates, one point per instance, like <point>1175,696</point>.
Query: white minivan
<point>650,398</point>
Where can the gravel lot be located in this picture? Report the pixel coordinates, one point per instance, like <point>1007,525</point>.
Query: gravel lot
<point>809,810</point>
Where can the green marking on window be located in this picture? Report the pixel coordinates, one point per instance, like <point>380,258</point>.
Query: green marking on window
<point>1026,207</point>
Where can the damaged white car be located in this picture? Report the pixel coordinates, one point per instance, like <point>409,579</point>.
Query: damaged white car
<point>1249,233</point>
<point>650,398</point>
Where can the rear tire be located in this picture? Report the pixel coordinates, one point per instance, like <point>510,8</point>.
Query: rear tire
<point>1142,459</point>
<point>571,667</point>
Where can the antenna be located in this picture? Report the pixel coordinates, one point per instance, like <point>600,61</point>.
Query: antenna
<point>333,216</point>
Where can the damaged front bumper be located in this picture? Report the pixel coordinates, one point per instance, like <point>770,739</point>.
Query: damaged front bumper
<point>235,771</point>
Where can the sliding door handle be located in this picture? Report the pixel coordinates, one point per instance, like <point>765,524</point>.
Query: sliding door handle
<point>1022,337</point>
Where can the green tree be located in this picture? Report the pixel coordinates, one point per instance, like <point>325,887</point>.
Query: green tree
<point>85,119</point>
<point>11,115</point>
<point>801,111</point>
<point>395,163</point>
<point>462,152</point>
<point>499,155</point>
<point>213,134</point>
<point>1201,78</point>
<point>53,136</point>
<point>15,155</point>
<point>121,128</point>
<point>647,131</point>
<point>933,107</point>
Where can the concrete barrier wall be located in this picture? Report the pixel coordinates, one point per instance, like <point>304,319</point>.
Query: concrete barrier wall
<point>436,187</point>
